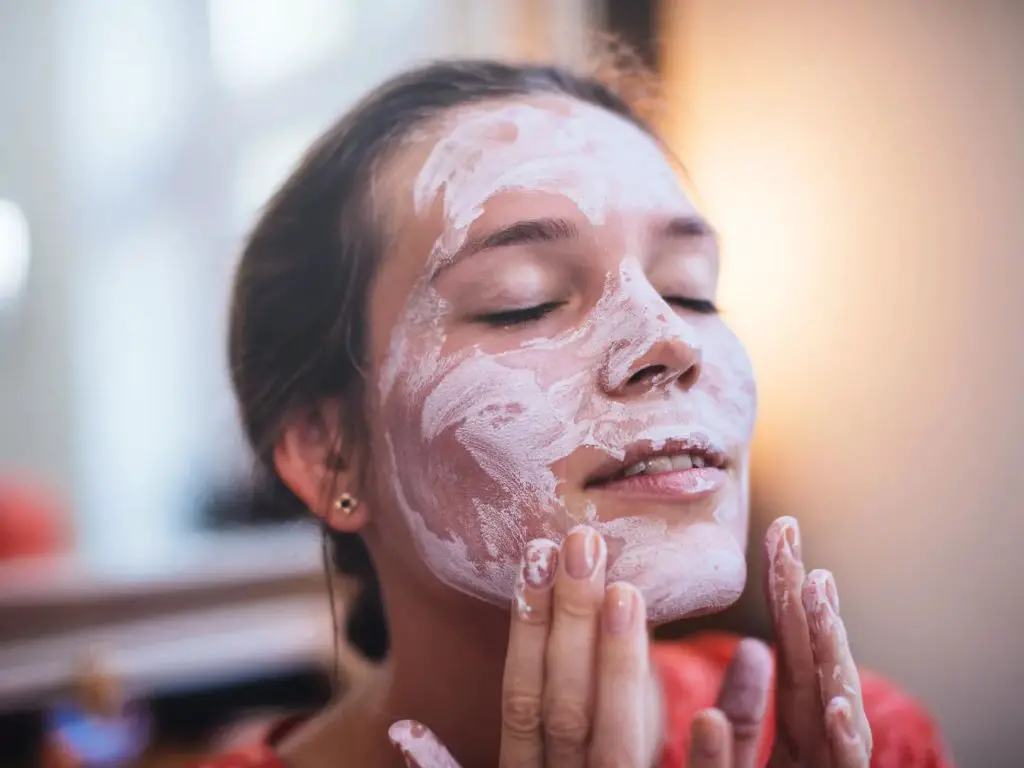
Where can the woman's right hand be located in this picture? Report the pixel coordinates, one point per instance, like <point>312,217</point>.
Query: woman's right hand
<point>578,690</point>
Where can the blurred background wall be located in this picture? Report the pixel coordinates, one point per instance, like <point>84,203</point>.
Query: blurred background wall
<point>865,164</point>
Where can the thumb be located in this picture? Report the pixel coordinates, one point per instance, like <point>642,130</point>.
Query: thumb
<point>419,746</point>
<point>744,698</point>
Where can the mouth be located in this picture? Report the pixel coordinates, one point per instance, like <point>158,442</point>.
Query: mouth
<point>695,456</point>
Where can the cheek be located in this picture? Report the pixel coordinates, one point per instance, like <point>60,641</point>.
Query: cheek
<point>493,426</point>
<point>727,382</point>
<point>470,452</point>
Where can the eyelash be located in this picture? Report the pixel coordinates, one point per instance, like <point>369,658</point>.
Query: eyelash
<point>700,306</point>
<point>519,316</point>
<point>514,317</point>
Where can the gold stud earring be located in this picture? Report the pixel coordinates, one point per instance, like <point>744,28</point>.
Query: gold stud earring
<point>346,503</point>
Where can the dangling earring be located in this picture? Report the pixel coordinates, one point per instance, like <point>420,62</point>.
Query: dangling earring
<point>346,503</point>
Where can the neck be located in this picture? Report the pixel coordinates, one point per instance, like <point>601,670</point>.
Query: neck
<point>448,665</point>
<point>444,669</point>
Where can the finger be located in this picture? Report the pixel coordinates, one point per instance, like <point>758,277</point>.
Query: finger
<point>798,703</point>
<point>522,739</point>
<point>619,729</point>
<point>571,651</point>
<point>710,740</point>
<point>744,699</point>
<point>419,746</point>
<point>848,747</point>
<point>837,671</point>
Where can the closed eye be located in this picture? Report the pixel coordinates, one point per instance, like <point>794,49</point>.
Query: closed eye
<point>700,306</point>
<point>513,317</point>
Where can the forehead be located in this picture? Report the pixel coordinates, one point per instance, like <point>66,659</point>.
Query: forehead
<point>545,144</point>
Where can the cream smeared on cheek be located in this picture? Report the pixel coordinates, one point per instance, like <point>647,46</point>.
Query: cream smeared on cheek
<point>471,438</point>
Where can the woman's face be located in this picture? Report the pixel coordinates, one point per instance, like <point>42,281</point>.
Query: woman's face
<point>545,353</point>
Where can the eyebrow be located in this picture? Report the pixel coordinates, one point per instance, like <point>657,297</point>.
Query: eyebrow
<point>686,227</point>
<point>547,230</point>
<point>554,230</point>
<point>520,232</point>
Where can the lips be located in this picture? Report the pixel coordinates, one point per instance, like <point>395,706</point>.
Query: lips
<point>645,459</point>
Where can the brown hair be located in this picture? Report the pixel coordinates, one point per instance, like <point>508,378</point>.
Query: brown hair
<point>299,302</point>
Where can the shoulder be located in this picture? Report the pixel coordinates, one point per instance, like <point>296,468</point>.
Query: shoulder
<point>691,671</point>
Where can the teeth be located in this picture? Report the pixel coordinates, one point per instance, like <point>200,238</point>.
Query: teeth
<point>661,464</point>
<point>658,465</point>
<point>635,469</point>
<point>685,461</point>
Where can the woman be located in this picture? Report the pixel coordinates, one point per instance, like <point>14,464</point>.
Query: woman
<point>475,332</point>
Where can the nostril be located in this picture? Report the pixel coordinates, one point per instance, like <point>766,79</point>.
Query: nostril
<point>657,374</point>
<point>647,373</point>
<point>690,376</point>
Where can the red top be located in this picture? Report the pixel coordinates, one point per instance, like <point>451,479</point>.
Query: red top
<point>691,673</point>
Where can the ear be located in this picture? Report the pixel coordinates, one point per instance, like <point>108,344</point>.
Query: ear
<point>307,461</point>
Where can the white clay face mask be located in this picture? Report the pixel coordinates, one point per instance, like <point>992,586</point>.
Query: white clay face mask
<point>473,441</point>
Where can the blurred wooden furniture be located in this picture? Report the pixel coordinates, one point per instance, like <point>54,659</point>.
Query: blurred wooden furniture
<point>226,622</point>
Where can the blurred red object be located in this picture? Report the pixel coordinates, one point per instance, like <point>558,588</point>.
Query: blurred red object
<point>33,522</point>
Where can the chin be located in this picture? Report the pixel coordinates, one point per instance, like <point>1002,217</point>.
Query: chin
<point>701,569</point>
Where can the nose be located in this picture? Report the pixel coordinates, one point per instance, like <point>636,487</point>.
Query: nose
<point>637,365</point>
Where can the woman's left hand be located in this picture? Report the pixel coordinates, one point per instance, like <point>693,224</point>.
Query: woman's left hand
<point>820,718</point>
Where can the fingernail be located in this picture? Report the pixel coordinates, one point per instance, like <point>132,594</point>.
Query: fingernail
<point>709,737</point>
<point>843,714</point>
<point>540,559</point>
<point>402,735</point>
<point>832,593</point>
<point>791,535</point>
<point>817,602</point>
<point>582,551</point>
<point>619,609</point>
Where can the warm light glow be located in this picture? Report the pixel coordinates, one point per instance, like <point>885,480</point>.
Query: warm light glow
<point>762,191</point>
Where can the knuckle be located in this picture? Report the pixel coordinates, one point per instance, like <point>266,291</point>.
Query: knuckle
<point>567,723</point>
<point>578,606</point>
<point>522,714</point>
<point>533,617</point>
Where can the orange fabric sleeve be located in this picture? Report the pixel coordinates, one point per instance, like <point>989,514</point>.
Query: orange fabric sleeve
<point>691,673</point>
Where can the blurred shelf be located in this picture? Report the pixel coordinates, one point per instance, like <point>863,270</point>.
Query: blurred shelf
<point>196,562</point>
<point>193,650</point>
<point>233,607</point>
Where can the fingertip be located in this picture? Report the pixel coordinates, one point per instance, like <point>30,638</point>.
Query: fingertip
<point>849,747</point>
<point>779,524</point>
<point>401,732</point>
<point>583,555</point>
<point>620,610</point>
<point>419,746</point>
<point>746,689</point>
<point>839,707</point>
<point>540,559</point>
<point>784,527</point>
<point>534,580</point>
<point>782,555</point>
<point>400,736</point>
<point>756,651</point>
<point>813,594</point>
<point>709,732</point>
